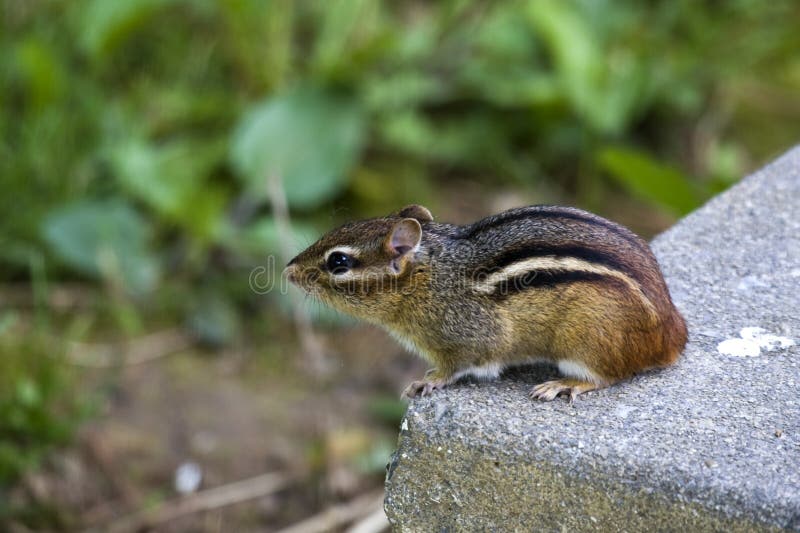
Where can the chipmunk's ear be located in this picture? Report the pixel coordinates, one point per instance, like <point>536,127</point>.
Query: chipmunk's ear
<point>404,237</point>
<point>415,211</point>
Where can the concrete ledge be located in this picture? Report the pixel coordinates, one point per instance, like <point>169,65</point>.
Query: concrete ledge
<point>710,444</point>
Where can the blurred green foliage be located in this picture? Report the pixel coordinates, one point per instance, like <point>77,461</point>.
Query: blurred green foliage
<point>39,408</point>
<point>137,136</point>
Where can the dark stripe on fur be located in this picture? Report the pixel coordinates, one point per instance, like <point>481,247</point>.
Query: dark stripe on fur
<point>546,279</point>
<point>549,212</point>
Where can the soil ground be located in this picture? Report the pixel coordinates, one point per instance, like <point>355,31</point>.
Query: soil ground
<point>236,414</point>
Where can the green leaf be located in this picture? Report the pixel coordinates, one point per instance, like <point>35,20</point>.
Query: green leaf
<point>172,180</point>
<point>104,24</point>
<point>309,137</point>
<point>340,20</point>
<point>650,179</point>
<point>258,35</point>
<point>138,169</point>
<point>103,239</point>
<point>603,85</point>
<point>504,35</point>
<point>400,90</point>
<point>43,74</point>
<point>261,238</point>
<point>28,393</point>
<point>573,45</point>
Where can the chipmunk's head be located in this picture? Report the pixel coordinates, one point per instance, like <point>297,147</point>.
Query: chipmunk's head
<point>363,268</point>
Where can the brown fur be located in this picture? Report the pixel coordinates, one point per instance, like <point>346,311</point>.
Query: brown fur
<point>612,325</point>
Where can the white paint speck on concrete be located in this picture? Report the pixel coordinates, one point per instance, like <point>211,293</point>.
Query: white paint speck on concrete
<point>749,283</point>
<point>751,343</point>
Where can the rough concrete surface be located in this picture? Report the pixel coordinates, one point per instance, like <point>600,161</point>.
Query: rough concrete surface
<point>712,443</point>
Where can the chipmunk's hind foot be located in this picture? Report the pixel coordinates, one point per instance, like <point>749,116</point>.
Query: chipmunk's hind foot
<point>549,390</point>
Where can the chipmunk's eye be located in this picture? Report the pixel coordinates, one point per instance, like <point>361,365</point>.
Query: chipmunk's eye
<point>339,263</point>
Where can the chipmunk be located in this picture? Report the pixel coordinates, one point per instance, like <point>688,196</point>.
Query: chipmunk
<point>539,283</point>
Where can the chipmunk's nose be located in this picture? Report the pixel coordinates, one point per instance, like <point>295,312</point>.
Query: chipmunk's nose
<point>293,261</point>
<point>291,272</point>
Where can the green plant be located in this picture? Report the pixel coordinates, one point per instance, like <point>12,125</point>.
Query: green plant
<point>136,135</point>
<point>39,407</point>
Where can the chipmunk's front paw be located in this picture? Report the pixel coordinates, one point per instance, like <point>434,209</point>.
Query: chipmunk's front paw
<point>423,388</point>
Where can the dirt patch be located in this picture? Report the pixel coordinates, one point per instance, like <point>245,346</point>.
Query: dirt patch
<point>235,415</point>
